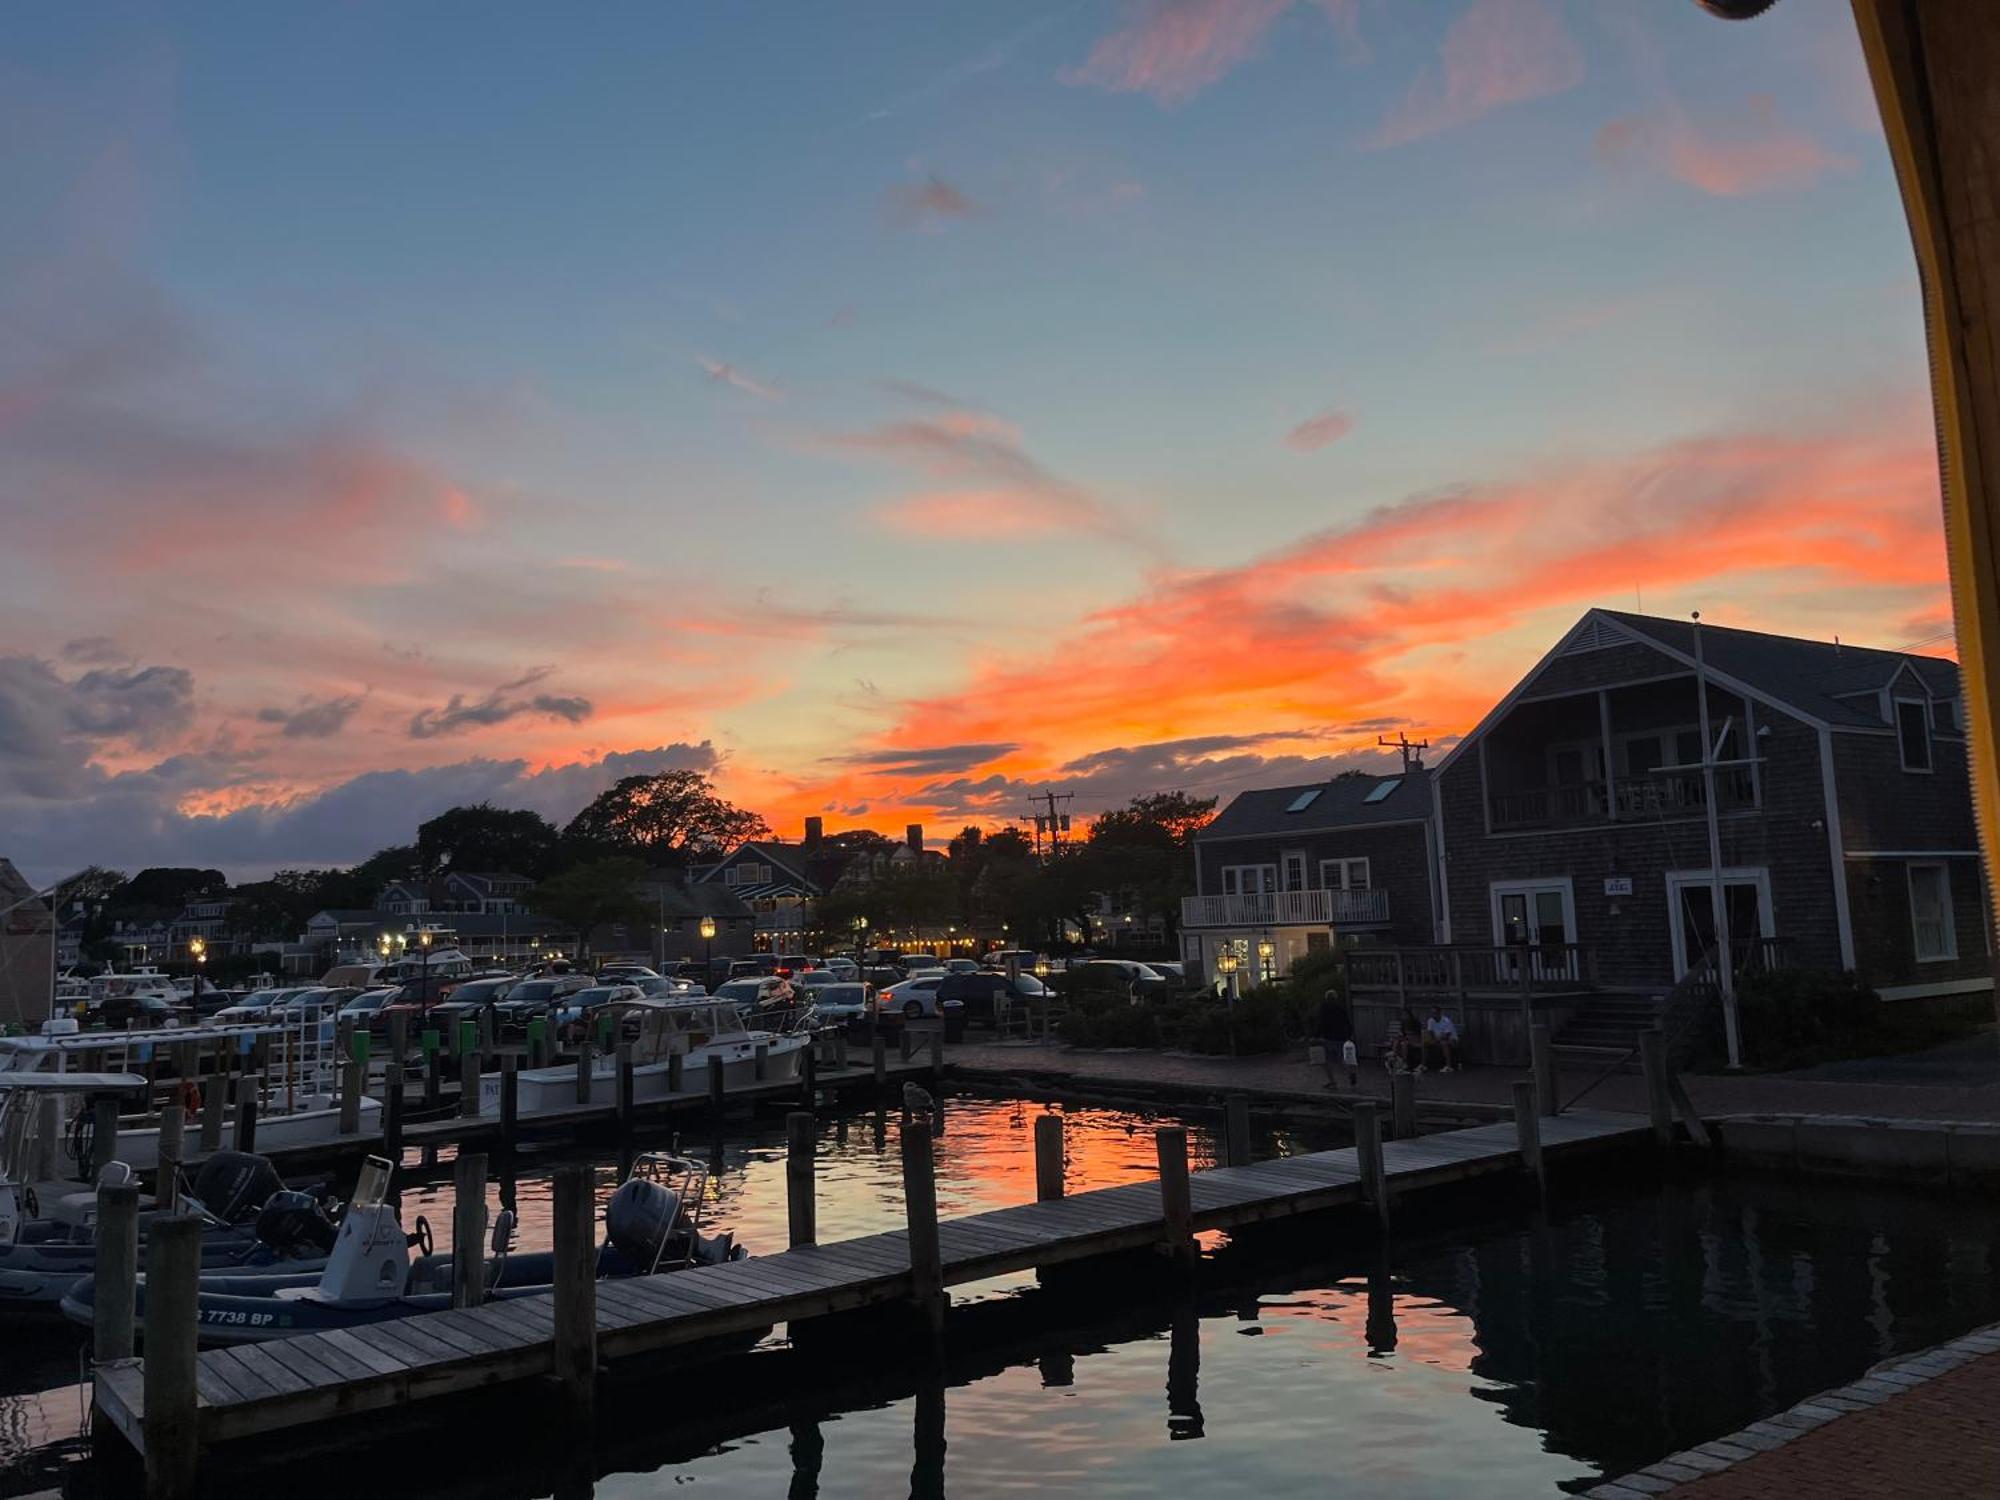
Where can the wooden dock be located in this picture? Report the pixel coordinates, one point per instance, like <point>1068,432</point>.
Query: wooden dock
<point>293,1383</point>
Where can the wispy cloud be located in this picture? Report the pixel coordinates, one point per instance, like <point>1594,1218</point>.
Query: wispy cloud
<point>314,719</point>
<point>722,373</point>
<point>1499,52</point>
<point>1733,155</point>
<point>1315,433</point>
<point>1173,49</point>
<point>928,204</point>
<point>497,707</point>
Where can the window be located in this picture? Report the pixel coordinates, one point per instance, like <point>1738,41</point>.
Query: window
<point>1931,928</point>
<point>1344,874</point>
<point>1249,880</point>
<point>729,875</point>
<point>1913,733</point>
<point>1304,800</point>
<point>1295,870</point>
<point>1382,789</point>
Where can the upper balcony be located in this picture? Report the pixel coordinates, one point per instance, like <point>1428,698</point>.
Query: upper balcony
<point>1624,755</point>
<point>1363,908</point>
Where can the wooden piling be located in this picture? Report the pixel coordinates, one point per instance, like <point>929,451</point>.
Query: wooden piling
<point>575,1341</point>
<point>103,1133</point>
<point>1236,1130</point>
<point>350,1097</point>
<point>905,1042</point>
<point>840,1049</point>
<point>510,1098</point>
<point>1403,1105</point>
<point>583,1070</point>
<point>716,1092</point>
<point>881,1061</point>
<point>920,1214</point>
<point>1176,1202</point>
<point>173,1151</point>
<point>809,1074</point>
<point>1528,1129</point>
<point>1542,1053</point>
<point>214,1104</point>
<point>173,1304</point>
<point>468,1082</point>
<point>626,1085</point>
<point>1048,1157</point>
<point>433,1069</point>
<point>937,1056</point>
<point>800,1204</point>
<point>246,1112</point>
<point>392,1106</point>
<point>760,1061</point>
<point>1659,1101</point>
<point>676,1071</point>
<point>117,1272</point>
<point>468,1229</point>
<point>1368,1156</point>
<point>538,1043</point>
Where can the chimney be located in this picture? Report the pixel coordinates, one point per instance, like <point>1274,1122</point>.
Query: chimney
<point>914,837</point>
<point>815,831</point>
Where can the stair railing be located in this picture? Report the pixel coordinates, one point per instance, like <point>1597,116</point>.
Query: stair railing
<point>1682,1007</point>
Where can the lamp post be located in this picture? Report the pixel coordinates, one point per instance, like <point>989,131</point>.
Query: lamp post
<point>708,949</point>
<point>198,951</point>
<point>1266,969</point>
<point>1225,965</point>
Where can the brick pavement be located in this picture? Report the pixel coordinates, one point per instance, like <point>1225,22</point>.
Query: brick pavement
<point>1713,1094</point>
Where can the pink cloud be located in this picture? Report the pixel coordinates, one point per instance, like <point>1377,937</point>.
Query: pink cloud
<point>722,373</point>
<point>989,515</point>
<point>1173,49</point>
<point>1499,52</point>
<point>1315,433</point>
<point>1737,156</point>
<point>923,204</point>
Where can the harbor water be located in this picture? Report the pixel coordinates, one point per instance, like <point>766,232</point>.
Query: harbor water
<point>1507,1350</point>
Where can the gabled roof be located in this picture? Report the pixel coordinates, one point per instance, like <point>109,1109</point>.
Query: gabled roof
<point>782,856</point>
<point>1814,677</point>
<point>1345,802</point>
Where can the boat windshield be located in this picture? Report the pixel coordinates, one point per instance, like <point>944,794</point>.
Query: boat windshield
<point>371,1189</point>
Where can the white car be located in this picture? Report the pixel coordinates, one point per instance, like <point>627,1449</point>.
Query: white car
<point>914,997</point>
<point>841,1002</point>
<point>846,970</point>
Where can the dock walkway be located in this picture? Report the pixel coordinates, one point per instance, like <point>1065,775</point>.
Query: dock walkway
<point>268,1387</point>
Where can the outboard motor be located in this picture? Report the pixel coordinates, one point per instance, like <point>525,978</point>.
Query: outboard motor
<point>641,1219</point>
<point>233,1185</point>
<point>295,1226</point>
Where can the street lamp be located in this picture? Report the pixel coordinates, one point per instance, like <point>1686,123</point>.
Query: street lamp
<point>198,951</point>
<point>1266,970</point>
<point>708,946</point>
<point>1225,965</point>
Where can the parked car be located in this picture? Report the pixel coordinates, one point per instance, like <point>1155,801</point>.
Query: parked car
<point>471,997</point>
<point>365,1008</point>
<point>1175,972</point>
<point>961,966</point>
<point>137,1013</point>
<point>983,992</point>
<point>843,1002</point>
<point>797,963</point>
<point>915,997</point>
<point>250,1007</point>
<point>909,963</point>
<point>1023,959</point>
<point>533,999</point>
<point>666,987</point>
<point>882,975</point>
<point>209,1000</point>
<point>1146,980</point>
<point>573,1014</point>
<point>625,973</point>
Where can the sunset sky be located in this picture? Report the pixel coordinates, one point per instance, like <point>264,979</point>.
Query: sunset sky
<point>897,409</point>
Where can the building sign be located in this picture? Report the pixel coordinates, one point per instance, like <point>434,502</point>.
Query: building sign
<point>1618,885</point>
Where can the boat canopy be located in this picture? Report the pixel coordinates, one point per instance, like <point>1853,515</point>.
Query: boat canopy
<point>72,1083</point>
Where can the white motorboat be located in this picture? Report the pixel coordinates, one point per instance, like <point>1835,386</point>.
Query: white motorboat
<point>694,1030</point>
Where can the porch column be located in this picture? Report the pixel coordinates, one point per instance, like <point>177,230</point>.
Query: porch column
<point>1610,776</point>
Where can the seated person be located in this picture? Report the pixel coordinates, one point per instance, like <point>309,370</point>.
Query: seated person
<point>1441,1038</point>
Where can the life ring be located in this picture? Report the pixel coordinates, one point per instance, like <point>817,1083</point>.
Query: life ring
<point>190,1100</point>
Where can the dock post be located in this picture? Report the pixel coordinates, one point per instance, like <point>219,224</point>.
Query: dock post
<point>809,1074</point>
<point>1659,1104</point>
<point>799,1188</point>
<point>676,1071</point>
<point>468,1080</point>
<point>117,1279</point>
<point>1403,1105</point>
<point>214,1102</point>
<point>538,1043</point>
<point>920,1213</point>
<point>760,1059</point>
<point>433,1069</point>
<point>173,1302</point>
<point>468,1229</point>
<point>905,1043</point>
<point>468,1037</point>
<point>1544,1059</point>
<point>173,1151</point>
<point>881,1061</point>
<point>583,1070</point>
<point>246,1112</point>
<point>350,1097</point>
<point>716,1092</point>
<point>510,1098</point>
<point>575,1352</point>
<point>392,1108</point>
<point>625,1085</point>
<point>1368,1156</point>
<point>1176,1203</point>
<point>1048,1157</point>
<point>103,1134</point>
<point>1528,1126</point>
<point>1236,1130</point>
<point>937,1056</point>
<point>840,1049</point>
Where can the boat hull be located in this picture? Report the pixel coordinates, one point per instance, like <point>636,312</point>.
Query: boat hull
<point>549,1090</point>
<point>300,1130</point>
<point>34,1279</point>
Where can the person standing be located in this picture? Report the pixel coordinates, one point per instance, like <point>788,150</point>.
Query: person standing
<point>1336,1037</point>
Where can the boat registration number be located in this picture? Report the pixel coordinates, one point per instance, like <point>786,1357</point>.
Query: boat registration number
<point>228,1318</point>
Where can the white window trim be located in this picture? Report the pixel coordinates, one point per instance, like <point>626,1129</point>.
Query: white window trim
<point>1284,866</point>
<point>1501,888</point>
<point>1923,707</point>
<point>1340,867</point>
<point>1677,880</point>
<point>1237,871</point>
<point>1950,954</point>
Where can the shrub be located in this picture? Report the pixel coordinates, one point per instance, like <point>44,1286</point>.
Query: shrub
<point>1316,973</point>
<point>1792,1018</point>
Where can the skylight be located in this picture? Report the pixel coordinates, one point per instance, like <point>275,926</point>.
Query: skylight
<point>1381,789</point>
<point>1304,800</point>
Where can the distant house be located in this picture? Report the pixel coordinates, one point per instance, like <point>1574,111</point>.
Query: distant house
<point>1299,867</point>
<point>498,938</point>
<point>680,905</point>
<point>772,880</point>
<point>207,918</point>
<point>27,951</point>
<point>1575,812</point>
<point>456,891</point>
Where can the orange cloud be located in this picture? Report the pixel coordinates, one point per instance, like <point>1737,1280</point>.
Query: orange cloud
<point>1499,52</point>
<point>1735,156</point>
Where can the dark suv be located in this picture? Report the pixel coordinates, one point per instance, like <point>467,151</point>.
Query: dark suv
<point>984,993</point>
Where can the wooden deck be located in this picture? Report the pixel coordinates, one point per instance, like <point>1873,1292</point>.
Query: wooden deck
<point>290,1383</point>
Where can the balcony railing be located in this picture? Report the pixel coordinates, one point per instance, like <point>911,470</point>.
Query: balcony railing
<point>1631,799</point>
<point>1435,970</point>
<point>1368,908</point>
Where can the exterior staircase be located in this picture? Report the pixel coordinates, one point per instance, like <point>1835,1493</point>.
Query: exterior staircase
<point>1607,1023</point>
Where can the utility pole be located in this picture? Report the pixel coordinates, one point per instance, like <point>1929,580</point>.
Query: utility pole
<point>1725,963</point>
<point>1413,753</point>
<point>1048,821</point>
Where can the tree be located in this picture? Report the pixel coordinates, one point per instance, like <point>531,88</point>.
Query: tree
<point>592,894</point>
<point>667,818</point>
<point>167,886</point>
<point>488,839</point>
<point>365,880</point>
<point>1146,850</point>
